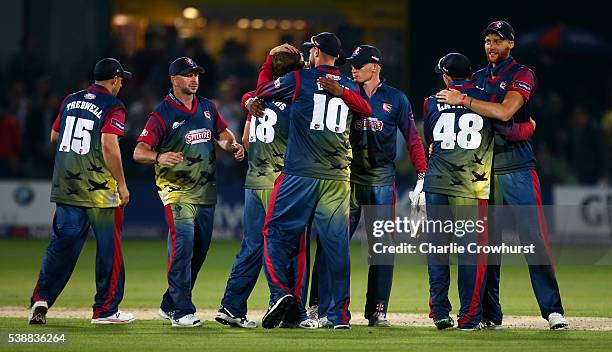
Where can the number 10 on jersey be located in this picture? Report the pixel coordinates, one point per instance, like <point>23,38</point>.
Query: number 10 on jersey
<point>335,118</point>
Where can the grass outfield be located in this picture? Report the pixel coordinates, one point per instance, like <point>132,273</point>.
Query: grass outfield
<point>154,335</point>
<point>586,291</point>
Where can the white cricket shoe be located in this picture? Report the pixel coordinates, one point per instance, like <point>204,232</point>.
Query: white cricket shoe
<point>308,324</point>
<point>164,315</point>
<point>187,321</point>
<point>117,318</point>
<point>225,317</point>
<point>38,313</point>
<point>556,321</point>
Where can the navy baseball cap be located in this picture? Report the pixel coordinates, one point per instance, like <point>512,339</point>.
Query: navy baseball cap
<point>455,65</point>
<point>184,65</point>
<point>108,68</point>
<point>365,54</point>
<point>327,42</point>
<point>502,28</point>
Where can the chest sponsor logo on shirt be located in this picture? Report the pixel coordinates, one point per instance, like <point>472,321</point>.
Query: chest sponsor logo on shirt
<point>207,114</point>
<point>502,85</point>
<point>177,124</point>
<point>387,107</point>
<point>90,96</point>
<point>369,124</point>
<point>198,136</point>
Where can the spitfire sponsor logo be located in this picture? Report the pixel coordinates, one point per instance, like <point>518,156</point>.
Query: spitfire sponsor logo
<point>90,96</point>
<point>387,107</point>
<point>207,114</point>
<point>369,124</point>
<point>502,85</point>
<point>144,133</point>
<point>522,85</point>
<point>177,124</point>
<point>198,136</point>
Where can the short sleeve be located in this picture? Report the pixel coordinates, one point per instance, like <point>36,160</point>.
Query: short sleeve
<point>153,132</point>
<point>524,83</point>
<point>114,122</point>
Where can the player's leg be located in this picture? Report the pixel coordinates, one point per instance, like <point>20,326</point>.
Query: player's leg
<point>180,218</point>
<point>526,203</point>
<point>247,264</point>
<point>68,234</point>
<point>203,228</point>
<point>438,264</point>
<point>498,220</point>
<point>107,224</point>
<point>355,216</point>
<point>331,224</point>
<point>298,279</point>
<point>380,272</point>
<point>289,210</point>
<point>472,267</point>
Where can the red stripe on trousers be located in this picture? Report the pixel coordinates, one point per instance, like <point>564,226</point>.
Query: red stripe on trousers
<point>117,260</point>
<point>481,266</point>
<point>301,262</point>
<point>541,219</point>
<point>268,262</point>
<point>431,313</point>
<point>345,317</point>
<point>172,229</point>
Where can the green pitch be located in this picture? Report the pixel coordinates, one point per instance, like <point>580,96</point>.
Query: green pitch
<point>585,290</point>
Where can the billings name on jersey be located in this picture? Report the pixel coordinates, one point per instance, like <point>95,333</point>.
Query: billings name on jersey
<point>461,160</point>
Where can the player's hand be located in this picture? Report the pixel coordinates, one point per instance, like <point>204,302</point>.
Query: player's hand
<point>449,96</point>
<point>124,195</point>
<point>288,48</point>
<point>256,107</point>
<point>331,86</point>
<point>170,159</point>
<point>238,151</point>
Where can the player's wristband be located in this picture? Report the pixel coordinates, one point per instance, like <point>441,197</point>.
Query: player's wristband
<point>157,158</point>
<point>470,103</point>
<point>421,176</point>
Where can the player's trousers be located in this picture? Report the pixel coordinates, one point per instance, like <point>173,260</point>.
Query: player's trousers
<point>190,230</point>
<point>69,232</point>
<point>380,276</point>
<point>249,259</point>
<point>295,201</point>
<point>518,204</point>
<point>471,266</point>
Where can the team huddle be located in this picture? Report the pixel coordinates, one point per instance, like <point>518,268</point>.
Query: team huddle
<point>320,146</point>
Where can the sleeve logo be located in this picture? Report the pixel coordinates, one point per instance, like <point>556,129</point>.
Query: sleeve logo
<point>522,85</point>
<point>118,124</point>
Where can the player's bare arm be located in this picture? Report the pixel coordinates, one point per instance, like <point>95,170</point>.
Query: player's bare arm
<point>498,111</point>
<point>112,158</point>
<point>227,142</point>
<point>54,137</point>
<point>245,135</point>
<point>144,154</point>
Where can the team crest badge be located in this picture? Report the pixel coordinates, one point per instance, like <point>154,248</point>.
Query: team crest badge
<point>502,85</point>
<point>387,107</point>
<point>207,114</point>
<point>189,62</point>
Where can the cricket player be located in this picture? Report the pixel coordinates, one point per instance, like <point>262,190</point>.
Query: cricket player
<point>265,133</point>
<point>89,190</point>
<point>314,183</point>
<point>373,140</point>
<point>179,139</point>
<point>516,184</point>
